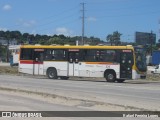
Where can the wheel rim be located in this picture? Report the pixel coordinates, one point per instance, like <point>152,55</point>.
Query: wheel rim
<point>110,76</point>
<point>51,74</point>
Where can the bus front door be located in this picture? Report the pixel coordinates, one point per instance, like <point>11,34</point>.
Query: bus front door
<point>38,62</point>
<point>73,65</point>
<point>126,63</point>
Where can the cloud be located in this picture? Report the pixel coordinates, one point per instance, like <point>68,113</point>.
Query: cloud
<point>7,7</point>
<point>3,29</point>
<point>29,23</point>
<point>64,31</point>
<point>26,23</point>
<point>92,19</point>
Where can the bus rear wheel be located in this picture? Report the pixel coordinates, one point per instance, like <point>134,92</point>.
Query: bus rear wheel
<point>110,77</point>
<point>52,73</point>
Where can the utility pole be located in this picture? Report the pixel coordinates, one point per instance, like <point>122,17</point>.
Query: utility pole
<point>83,17</point>
<point>7,48</point>
<point>159,31</point>
<point>151,39</point>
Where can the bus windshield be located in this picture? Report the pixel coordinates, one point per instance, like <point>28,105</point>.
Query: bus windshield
<point>141,59</point>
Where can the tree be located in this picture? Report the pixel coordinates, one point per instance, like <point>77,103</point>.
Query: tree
<point>114,38</point>
<point>25,38</point>
<point>7,35</point>
<point>2,33</point>
<point>110,38</point>
<point>55,40</point>
<point>150,49</point>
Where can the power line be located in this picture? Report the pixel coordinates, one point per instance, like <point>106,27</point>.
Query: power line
<point>58,19</point>
<point>58,14</point>
<point>134,14</point>
<point>117,8</point>
<point>69,22</point>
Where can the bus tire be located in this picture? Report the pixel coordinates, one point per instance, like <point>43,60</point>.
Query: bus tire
<point>120,80</point>
<point>64,78</point>
<point>110,76</point>
<point>52,73</point>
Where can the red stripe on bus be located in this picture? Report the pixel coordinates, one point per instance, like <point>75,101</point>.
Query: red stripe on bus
<point>30,62</point>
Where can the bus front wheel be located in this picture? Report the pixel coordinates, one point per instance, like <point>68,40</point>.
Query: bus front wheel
<point>110,77</point>
<point>52,73</point>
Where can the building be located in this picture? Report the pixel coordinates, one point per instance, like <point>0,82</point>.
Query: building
<point>143,38</point>
<point>4,41</point>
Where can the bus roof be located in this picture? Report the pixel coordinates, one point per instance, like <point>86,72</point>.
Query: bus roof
<point>75,47</point>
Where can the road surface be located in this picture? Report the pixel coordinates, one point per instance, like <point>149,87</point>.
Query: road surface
<point>88,94</point>
<point>10,101</point>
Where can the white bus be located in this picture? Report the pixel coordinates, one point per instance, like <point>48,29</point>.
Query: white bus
<point>115,63</point>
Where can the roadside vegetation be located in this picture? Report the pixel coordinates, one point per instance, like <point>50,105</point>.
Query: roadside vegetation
<point>26,38</point>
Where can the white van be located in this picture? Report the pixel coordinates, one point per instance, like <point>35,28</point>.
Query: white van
<point>156,70</point>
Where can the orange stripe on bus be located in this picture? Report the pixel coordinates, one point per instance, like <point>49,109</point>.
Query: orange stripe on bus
<point>100,63</point>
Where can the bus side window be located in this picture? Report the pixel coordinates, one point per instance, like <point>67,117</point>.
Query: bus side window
<point>92,55</point>
<point>58,55</point>
<point>47,54</point>
<point>82,54</point>
<point>41,57</point>
<point>26,54</point>
<point>107,56</point>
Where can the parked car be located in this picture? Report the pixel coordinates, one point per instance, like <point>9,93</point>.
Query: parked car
<point>156,70</point>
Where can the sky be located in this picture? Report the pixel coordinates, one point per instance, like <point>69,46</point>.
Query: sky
<point>102,17</point>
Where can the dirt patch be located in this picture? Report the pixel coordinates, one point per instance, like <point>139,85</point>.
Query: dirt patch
<point>153,77</point>
<point>8,70</point>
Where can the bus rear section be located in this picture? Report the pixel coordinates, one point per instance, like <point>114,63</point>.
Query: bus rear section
<point>39,61</point>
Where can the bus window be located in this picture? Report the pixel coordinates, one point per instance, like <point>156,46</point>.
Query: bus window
<point>26,54</point>
<point>38,56</point>
<point>89,55</point>
<point>59,55</point>
<point>55,54</point>
<point>107,56</point>
<point>98,55</point>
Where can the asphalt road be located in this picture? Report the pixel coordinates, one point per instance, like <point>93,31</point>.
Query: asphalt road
<point>25,93</point>
<point>10,101</point>
<point>90,94</point>
<point>14,101</point>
